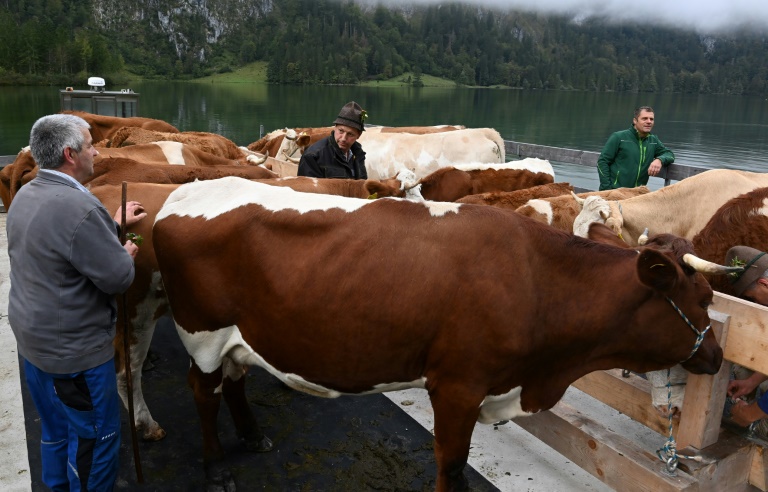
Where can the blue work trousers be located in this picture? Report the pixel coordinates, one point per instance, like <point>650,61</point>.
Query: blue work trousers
<point>80,417</point>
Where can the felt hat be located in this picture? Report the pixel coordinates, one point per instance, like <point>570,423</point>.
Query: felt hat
<point>352,115</point>
<point>755,263</point>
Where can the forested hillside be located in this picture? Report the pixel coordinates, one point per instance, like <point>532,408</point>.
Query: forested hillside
<point>333,42</point>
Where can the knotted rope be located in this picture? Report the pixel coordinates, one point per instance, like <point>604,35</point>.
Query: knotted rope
<point>668,453</point>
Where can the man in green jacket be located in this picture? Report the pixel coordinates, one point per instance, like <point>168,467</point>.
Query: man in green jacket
<point>630,156</point>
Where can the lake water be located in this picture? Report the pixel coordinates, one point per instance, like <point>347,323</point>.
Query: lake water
<point>713,131</point>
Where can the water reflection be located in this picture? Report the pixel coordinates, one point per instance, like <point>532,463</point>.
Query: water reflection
<point>707,131</point>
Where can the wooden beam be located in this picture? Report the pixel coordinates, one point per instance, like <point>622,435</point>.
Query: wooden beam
<point>747,343</point>
<point>630,396</point>
<point>705,397</point>
<point>613,459</point>
<point>758,473</point>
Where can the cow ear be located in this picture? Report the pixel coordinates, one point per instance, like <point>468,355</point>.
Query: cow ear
<point>603,234</point>
<point>657,270</point>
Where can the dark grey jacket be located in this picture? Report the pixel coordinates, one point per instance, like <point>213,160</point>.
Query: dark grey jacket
<point>67,265</point>
<point>325,159</point>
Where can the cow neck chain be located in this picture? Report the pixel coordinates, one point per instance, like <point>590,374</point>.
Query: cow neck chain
<point>668,453</point>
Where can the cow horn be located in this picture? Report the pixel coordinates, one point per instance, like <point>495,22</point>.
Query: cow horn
<point>256,159</point>
<point>292,159</point>
<point>643,237</point>
<point>578,199</point>
<point>704,266</point>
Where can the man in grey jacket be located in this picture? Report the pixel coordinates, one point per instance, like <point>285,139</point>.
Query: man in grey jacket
<point>67,265</point>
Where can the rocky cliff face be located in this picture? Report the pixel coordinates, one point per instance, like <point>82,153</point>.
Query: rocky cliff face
<point>190,25</point>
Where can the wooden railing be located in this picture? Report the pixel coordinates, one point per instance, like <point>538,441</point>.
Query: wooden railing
<point>673,172</point>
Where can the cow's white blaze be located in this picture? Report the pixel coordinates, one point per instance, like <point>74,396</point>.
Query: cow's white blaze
<point>226,347</point>
<point>543,207</point>
<point>501,407</point>
<point>212,198</point>
<point>172,152</point>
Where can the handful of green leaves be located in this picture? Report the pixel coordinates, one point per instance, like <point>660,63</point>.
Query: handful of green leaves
<point>134,238</point>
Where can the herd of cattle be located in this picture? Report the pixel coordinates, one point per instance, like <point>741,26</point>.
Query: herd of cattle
<point>469,283</point>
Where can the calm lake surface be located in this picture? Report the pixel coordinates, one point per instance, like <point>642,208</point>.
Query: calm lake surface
<point>713,131</point>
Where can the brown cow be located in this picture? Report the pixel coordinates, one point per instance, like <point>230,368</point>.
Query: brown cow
<point>481,307</point>
<point>516,199</point>
<point>448,184</point>
<point>103,127</point>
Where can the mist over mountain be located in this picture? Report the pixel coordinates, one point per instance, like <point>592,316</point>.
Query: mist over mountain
<point>596,45</point>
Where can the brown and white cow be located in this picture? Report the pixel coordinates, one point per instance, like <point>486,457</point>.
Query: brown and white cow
<point>561,211</point>
<point>449,184</point>
<point>516,199</point>
<point>104,127</point>
<point>387,153</point>
<point>115,170</point>
<point>683,208</point>
<point>210,143</point>
<point>741,221</point>
<point>481,307</point>
<point>290,143</point>
<point>24,168</point>
<point>145,299</point>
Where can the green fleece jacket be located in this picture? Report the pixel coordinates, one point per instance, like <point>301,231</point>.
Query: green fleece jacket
<point>625,159</point>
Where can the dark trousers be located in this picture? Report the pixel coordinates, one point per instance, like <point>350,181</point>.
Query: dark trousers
<point>80,417</point>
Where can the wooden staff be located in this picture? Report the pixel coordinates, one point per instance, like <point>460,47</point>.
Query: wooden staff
<point>127,354</point>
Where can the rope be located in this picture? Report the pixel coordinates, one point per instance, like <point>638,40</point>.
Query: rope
<point>668,452</point>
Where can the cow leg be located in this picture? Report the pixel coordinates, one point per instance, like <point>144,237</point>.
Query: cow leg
<point>205,387</point>
<point>248,429</point>
<point>456,411</point>
<point>151,430</point>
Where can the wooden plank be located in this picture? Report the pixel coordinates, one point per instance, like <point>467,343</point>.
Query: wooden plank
<point>758,473</point>
<point>705,397</point>
<point>630,396</point>
<point>612,458</point>
<point>724,467</point>
<point>747,343</point>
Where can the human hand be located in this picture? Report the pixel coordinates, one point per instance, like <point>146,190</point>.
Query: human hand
<point>743,413</point>
<point>740,387</point>
<point>654,168</point>
<point>131,248</point>
<point>134,212</point>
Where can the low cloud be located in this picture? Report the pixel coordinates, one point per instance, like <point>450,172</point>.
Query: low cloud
<point>705,16</point>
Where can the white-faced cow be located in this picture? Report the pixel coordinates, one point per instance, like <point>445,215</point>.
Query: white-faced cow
<point>449,184</point>
<point>387,153</point>
<point>561,211</point>
<point>481,307</point>
<point>683,208</point>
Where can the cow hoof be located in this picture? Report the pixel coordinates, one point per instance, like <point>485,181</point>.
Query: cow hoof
<point>220,481</point>
<point>153,433</point>
<point>262,445</point>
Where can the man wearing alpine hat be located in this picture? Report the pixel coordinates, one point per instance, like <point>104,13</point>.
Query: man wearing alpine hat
<point>339,155</point>
<point>751,285</point>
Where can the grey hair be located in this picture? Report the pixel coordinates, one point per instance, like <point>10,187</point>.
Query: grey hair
<point>52,134</point>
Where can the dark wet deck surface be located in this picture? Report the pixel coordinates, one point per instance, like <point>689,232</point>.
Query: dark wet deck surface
<point>343,444</point>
